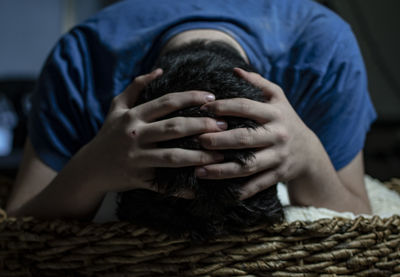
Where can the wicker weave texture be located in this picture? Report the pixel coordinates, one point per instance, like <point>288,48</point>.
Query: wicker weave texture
<point>327,247</point>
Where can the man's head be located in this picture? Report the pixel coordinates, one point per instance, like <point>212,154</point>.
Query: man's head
<point>216,208</point>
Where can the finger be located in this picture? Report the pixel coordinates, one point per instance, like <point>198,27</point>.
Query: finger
<point>263,160</point>
<point>242,138</point>
<point>243,107</point>
<point>171,102</point>
<point>270,89</point>
<point>179,127</point>
<point>259,183</point>
<point>178,157</point>
<point>129,96</point>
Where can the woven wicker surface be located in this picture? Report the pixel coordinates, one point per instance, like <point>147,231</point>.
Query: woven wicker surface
<point>328,247</point>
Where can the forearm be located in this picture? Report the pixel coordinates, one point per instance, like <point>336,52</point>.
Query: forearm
<point>320,185</point>
<point>72,194</point>
<point>122,156</point>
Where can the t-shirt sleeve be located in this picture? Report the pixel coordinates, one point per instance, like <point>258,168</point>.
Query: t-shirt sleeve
<point>57,116</point>
<point>340,111</point>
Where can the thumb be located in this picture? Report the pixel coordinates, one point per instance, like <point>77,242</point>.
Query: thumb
<point>270,89</point>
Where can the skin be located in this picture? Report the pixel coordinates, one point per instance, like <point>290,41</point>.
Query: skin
<point>288,151</point>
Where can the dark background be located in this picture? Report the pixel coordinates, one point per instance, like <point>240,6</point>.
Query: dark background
<point>29,29</point>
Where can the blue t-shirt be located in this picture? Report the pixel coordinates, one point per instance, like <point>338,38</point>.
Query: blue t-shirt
<point>301,46</point>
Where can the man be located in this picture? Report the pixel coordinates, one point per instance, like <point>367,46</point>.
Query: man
<point>315,117</point>
<point>215,207</point>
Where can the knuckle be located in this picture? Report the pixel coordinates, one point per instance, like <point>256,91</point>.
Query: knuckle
<point>267,129</point>
<point>167,102</point>
<point>256,187</point>
<point>256,74</point>
<point>282,135</point>
<point>115,101</point>
<point>276,88</point>
<point>244,106</point>
<point>259,187</point>
<point>217,107</point>
<point>128,117</point>
<point>208,140</point>
<point>284,154</point>
<point>278,174</point>
<point>275,113</point>
<point>218,172</point>
<point>135,155</point>
<point>280,157</point>
<point>208,124</point>
<point>203,159</point>
<point>174,126</point>
<point>170,157</point>
<point>243,139</point>
<point>212,141</point>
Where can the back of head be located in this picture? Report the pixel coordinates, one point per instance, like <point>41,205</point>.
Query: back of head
<point>205,66</point>
<point>216,208</point>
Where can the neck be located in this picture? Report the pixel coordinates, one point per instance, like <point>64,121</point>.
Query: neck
<point>204,34</point>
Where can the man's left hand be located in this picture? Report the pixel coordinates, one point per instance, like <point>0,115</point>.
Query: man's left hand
<point>284,142</point>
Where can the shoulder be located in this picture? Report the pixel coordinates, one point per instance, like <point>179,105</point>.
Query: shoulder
<point>324,38</point>
<point>296,33</point>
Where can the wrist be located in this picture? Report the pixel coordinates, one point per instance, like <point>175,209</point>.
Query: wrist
<point>312,153</point>
<point>311,186</point>
<point>85,167</point>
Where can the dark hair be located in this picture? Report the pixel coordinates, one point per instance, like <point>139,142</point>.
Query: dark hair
<point>216,209</point>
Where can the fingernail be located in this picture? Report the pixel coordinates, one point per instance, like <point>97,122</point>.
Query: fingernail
<point>222,124</point>
<point>210,97</point>
<point>200,172</point>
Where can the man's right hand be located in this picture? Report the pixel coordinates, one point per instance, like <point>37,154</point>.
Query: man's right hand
<point>123,155</point>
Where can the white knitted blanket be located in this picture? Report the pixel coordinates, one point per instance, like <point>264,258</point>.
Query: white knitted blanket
<point>384,203</point>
